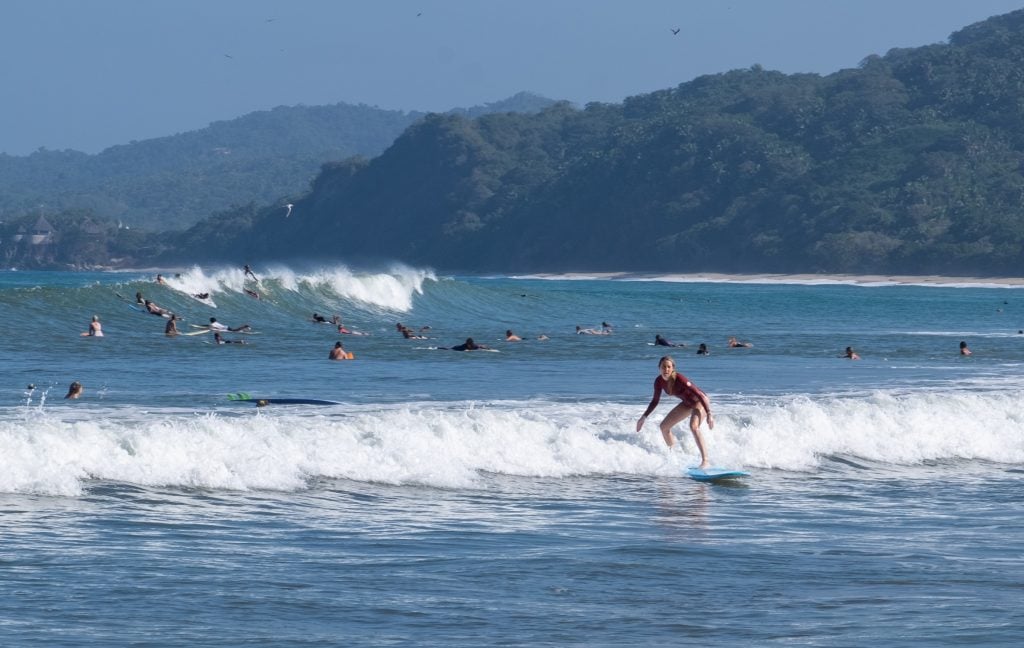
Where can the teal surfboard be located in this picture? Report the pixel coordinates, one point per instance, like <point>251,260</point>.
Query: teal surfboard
<point>714,474</point>
<point>244,397</point>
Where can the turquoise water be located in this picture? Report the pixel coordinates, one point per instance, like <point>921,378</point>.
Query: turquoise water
<point>505,497</point>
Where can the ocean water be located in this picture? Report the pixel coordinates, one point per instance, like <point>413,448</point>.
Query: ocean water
<point>505,498</point>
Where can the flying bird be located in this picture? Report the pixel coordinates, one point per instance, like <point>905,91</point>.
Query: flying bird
<point>675,32</point>
<point>289,206</point>
<point>229,56</point>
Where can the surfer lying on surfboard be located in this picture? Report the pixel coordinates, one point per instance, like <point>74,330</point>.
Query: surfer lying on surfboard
<point>214,325</point>
<point>153,309</point>
<point>695,404</point>
<point>468,345</point>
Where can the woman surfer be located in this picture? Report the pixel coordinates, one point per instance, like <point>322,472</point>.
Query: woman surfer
<point>695,404</point>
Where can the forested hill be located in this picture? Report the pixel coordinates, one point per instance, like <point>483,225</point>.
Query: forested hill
<point>910,163</point>
<point>170,183</point>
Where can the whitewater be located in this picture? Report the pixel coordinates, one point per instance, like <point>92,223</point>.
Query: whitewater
<point>467,498</point>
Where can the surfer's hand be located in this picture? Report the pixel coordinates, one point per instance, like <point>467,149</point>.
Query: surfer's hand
<point>711,421</point>
<point>640,423</point>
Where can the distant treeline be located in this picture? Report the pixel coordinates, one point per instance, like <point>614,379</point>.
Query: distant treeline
<point>170,183</point>
<point>912,163</point>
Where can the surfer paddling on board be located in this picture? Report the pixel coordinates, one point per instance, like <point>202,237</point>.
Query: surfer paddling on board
<point>660,341</point>
<point>468,345</point>
<point>214,325</point>
<point>695,404</point>
<point>153,309</point>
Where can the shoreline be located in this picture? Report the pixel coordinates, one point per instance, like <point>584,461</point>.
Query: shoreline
<point>804,279</point>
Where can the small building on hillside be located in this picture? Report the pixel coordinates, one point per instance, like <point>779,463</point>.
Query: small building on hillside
<point>42,232</point>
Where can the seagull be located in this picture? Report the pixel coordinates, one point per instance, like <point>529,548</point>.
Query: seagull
<point>289,206</point>
<point>675,32</point>
<point>229,56</point>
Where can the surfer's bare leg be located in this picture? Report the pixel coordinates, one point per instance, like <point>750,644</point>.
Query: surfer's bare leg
<point>695,420</point>
<point>677,414</point>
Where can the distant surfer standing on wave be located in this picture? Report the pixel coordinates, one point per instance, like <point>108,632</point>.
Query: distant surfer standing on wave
<point>249,273</point>
<point>695,404</point>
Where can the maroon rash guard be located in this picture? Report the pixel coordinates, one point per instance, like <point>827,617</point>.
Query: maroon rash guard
<point>681,387</point>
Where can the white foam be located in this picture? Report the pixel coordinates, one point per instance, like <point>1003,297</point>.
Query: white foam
<point>391,289</point>
<point>56,451</point>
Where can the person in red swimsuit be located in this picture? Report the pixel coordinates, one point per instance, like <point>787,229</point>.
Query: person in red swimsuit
<point>694,403</point>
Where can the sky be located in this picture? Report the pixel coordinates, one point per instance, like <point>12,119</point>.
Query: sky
<point>89,74</point>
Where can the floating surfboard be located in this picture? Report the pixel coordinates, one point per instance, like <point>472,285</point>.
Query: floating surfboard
<point>715,474</point>
<point>260,402</point>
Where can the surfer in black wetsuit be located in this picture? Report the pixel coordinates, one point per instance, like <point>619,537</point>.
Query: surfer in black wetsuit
<point>660,341</point>
<point>219,340</point>
<point>468,345</point>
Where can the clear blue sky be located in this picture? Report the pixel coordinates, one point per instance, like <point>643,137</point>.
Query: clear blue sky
<point>88,74</point>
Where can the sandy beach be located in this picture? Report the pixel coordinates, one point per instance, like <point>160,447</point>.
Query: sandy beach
<point>866,280</point>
